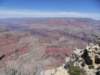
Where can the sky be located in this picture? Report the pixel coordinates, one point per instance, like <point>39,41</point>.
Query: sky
<point>50,8</point>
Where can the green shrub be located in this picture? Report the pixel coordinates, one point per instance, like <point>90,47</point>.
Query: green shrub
<point>74,70</point>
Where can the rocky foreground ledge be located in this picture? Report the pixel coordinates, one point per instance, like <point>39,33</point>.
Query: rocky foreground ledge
<point>82,62</point>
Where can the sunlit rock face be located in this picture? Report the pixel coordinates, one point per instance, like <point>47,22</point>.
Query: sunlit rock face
<point>87,59</point>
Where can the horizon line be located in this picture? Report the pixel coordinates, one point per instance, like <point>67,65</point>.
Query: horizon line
<point>40,14</point>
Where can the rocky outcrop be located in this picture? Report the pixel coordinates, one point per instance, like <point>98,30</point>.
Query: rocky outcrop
<point>82,61</point>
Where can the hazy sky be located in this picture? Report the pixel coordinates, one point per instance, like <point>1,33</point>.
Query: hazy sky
<point>50,7</point>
